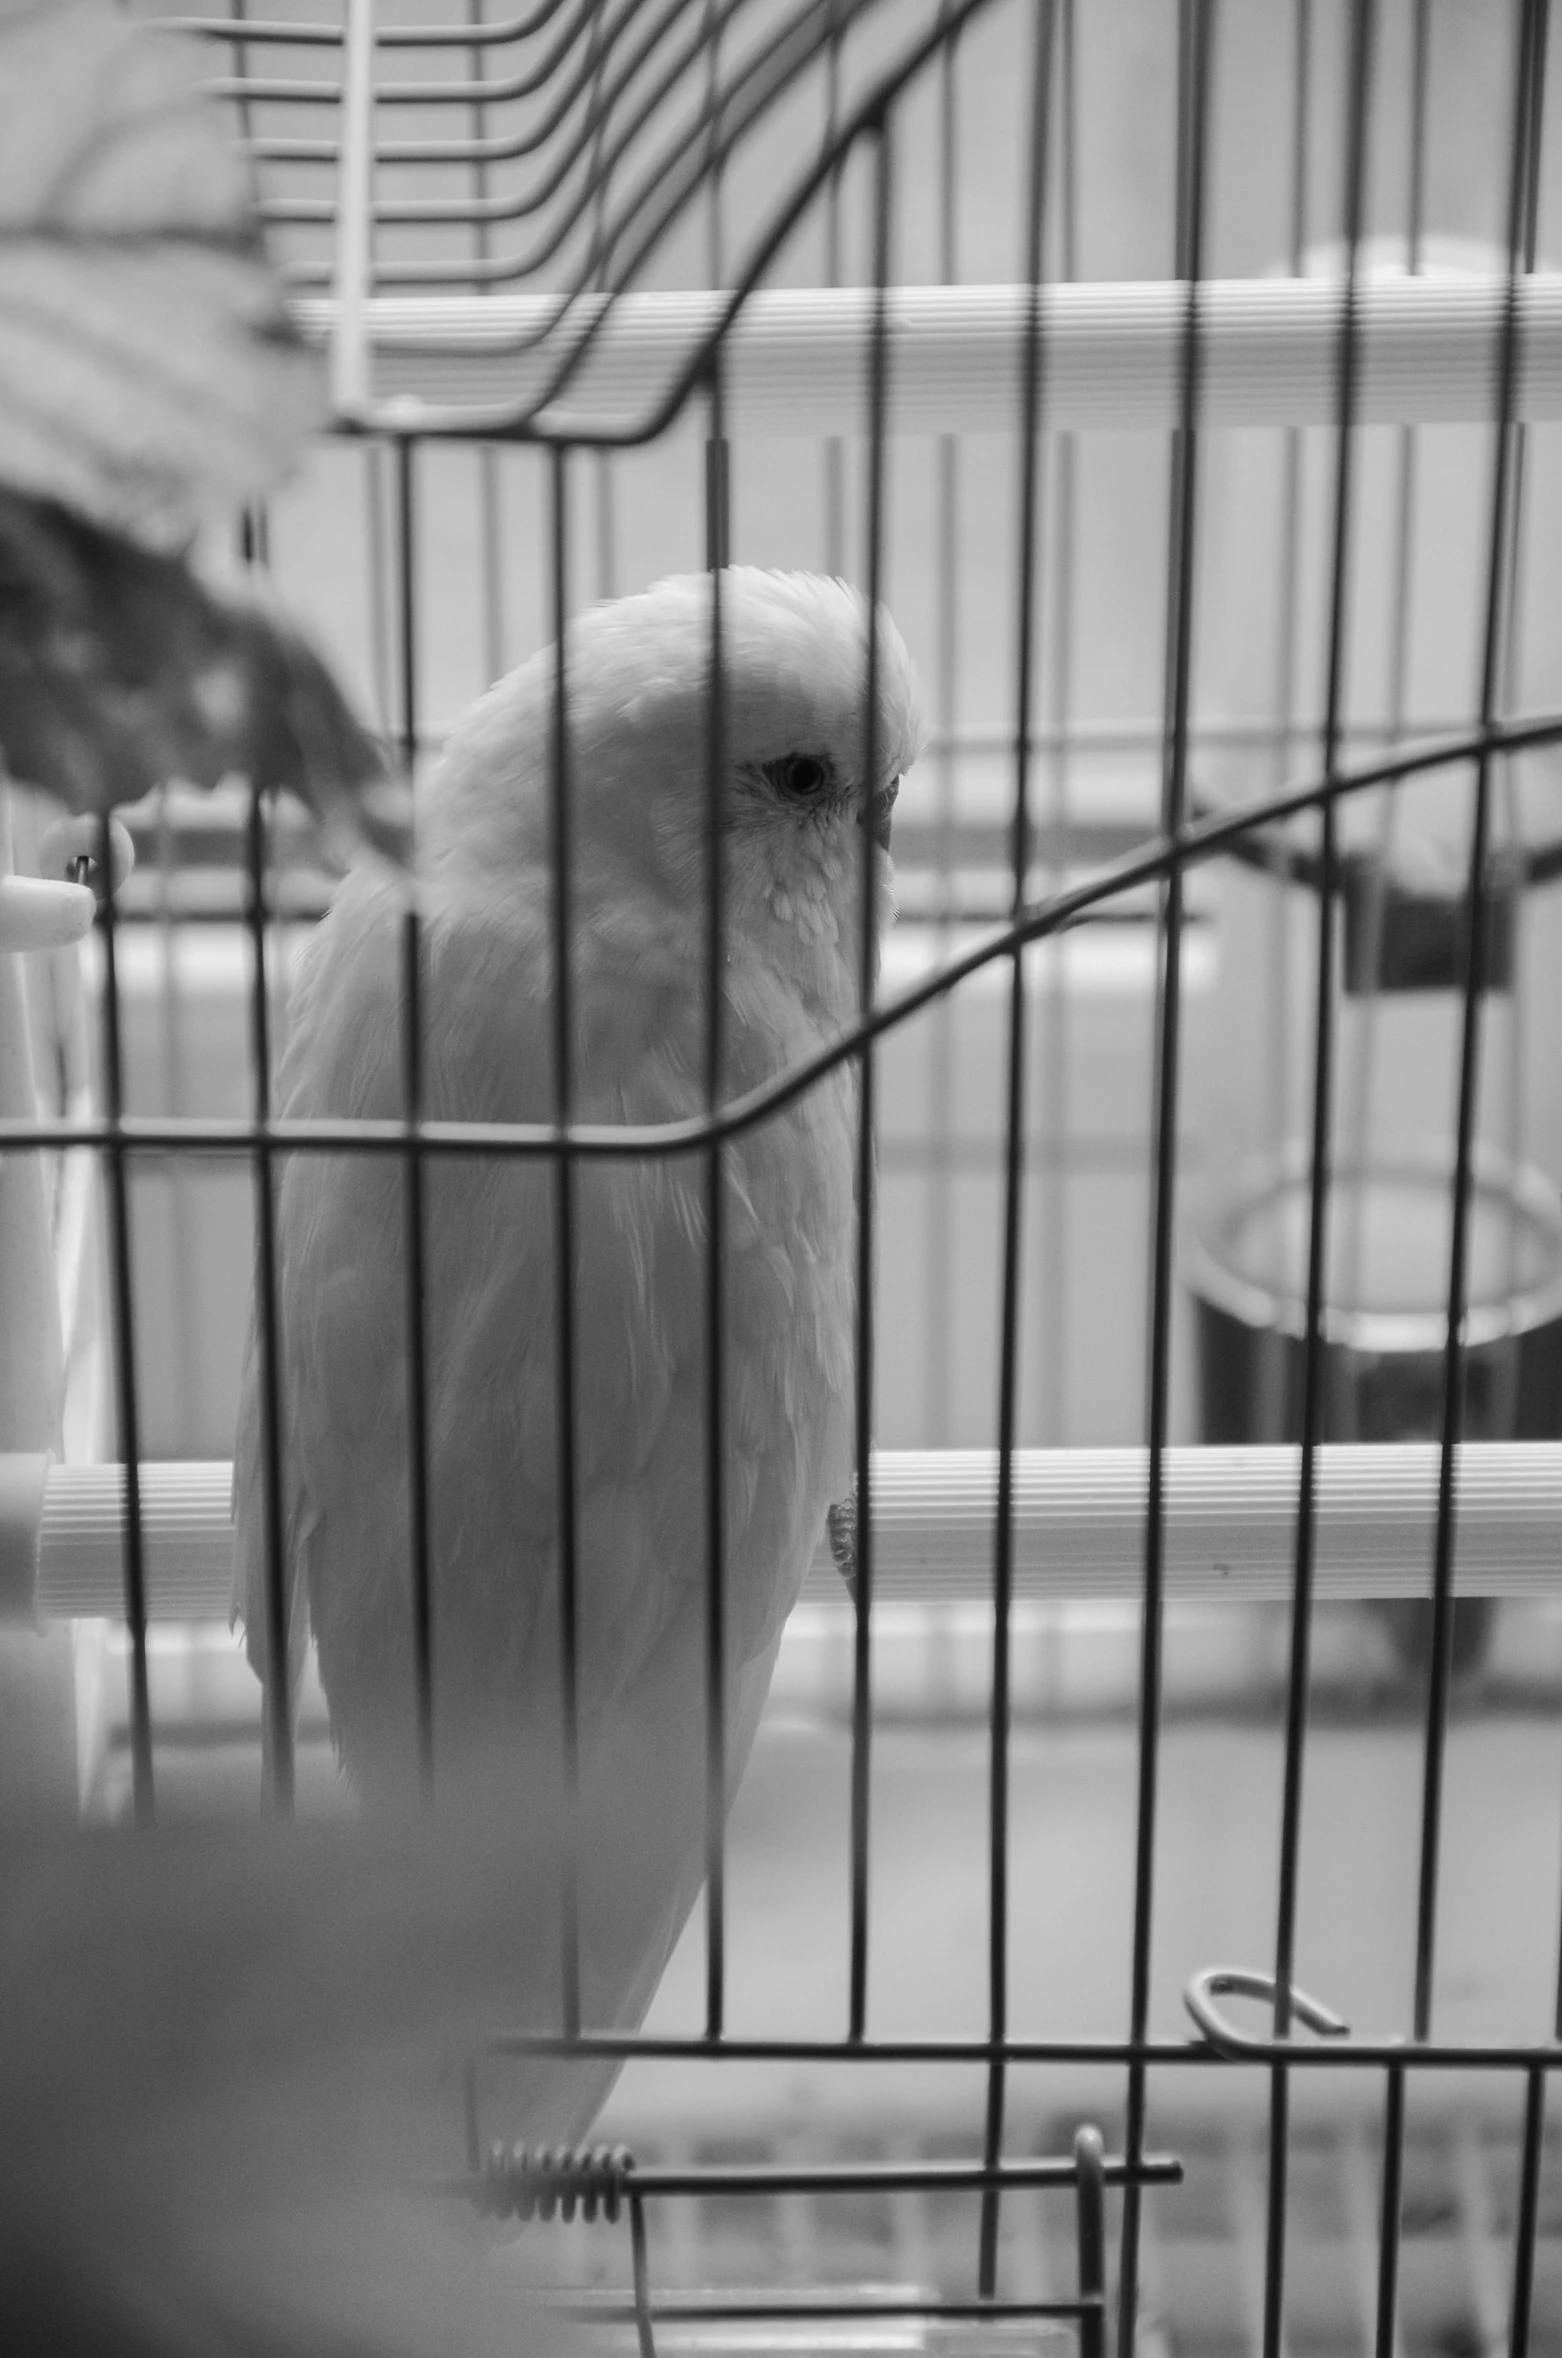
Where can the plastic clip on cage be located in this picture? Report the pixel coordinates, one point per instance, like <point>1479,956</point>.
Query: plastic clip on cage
<point>488,226</point>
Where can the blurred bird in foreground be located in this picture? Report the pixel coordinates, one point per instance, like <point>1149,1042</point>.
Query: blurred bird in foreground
<point>156,381</point>
<point>800,819</point>
<point>120,669</point>
<point>230,2068</point>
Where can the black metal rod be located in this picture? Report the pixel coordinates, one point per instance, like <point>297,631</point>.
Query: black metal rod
<point>1278,1059</point>
<point>594,133</point>
<point>1357,97</point>
<point>1525,128</point>
<point>487,456</point>
<point>1388,2217</point>
<point>975,2053</point>
<point>642,2277</point>
<point>1054,1272</point>
<point>761,2179</point>
<point>834,448</point>
<point>716,461</point>
<point>406,601</point>
<point>564,1264</point>
<point>787,2308</point>
<point>862,1663</point>
<point>1091,2232</point>
<point>715,257</point>
<point>1527,2226</point>
<point>122,1285</point>
<point>417,1349</point>
<point>1014,1146</point>
<point>1194,47</point>
<point>268,1342</point>
<point>413,1187</point>
<point>938,1263</point>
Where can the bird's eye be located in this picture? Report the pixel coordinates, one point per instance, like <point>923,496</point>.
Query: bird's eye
<point>800,776</point>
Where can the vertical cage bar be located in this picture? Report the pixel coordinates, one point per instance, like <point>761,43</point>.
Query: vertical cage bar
<point>413,1166</point>
<point>1421,57</point>
<point>1270,1406</point>
<point>834,449</point>
<point>487,456</point>
<point>937,1396</point>
<point>1054,1274</point>
<point>715,257</point>
<point>417,1346</point>
<point>1194,47</point>
<point>715,1230</point>
<point>1527,2225</point>
<point>1014,1151</point>
<point>564,1255</point>
<point>268,1339</point>
<point>122,1283</point>
<point>1356,1119</point>
<point>1357,96</point>
<point>862,1663</point>
<point>1090,2228</point>
<point>602,467</point>
<point>407,604</point>
<point>641,2277</point>
<point>1387,2344</point>
<point>1512,652</point>
<point>377,586</point>
<point>173,1042</point>
<point>1525,128</point>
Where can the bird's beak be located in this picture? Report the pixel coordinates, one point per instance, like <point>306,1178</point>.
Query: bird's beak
<point>877,813</point>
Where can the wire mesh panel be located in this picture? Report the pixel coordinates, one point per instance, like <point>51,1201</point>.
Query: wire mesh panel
<point>1198,1230</point>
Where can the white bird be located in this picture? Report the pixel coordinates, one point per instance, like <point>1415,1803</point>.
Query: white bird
<point>800,819</point>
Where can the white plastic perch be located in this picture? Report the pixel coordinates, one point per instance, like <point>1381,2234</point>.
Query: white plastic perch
<point>798,360</point>
<point>1079,1517</point>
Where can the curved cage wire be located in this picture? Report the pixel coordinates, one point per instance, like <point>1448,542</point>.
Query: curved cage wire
<point>490,226</point>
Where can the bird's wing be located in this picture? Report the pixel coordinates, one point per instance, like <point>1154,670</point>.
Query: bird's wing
<point>492,1241</point>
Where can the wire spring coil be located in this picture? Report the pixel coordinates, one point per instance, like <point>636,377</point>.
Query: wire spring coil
<point>522,2183</point>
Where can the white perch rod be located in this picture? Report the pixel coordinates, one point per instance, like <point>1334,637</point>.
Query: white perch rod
<point>797,359</point>
<point>1079,1527</point>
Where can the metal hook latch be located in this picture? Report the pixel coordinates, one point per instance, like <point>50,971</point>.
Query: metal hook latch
<point>1237,1981</point>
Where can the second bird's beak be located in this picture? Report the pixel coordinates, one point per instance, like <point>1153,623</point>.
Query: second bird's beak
<point>876,813</point>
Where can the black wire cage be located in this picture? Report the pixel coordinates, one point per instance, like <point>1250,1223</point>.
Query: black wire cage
<point>490,227</point>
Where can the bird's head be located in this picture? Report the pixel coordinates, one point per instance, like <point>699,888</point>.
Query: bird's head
<point>802,808</point>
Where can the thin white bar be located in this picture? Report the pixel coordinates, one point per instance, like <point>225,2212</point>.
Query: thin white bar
<point>797,358</point>
<point>1079,1525</point>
